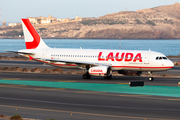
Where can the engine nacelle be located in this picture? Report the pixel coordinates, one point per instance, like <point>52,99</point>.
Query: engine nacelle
<point>130,73</point>
<point>100,71</point>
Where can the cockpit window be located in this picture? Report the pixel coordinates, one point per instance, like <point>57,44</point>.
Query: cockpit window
<point>165,58</point>
<point>161,58</point>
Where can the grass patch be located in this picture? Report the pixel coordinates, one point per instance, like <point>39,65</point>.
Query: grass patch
<point>41,29</point>
<point>149,22</point>
<point>103,21</point>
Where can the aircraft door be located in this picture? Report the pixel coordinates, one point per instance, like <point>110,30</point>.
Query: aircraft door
<point>146,59</point>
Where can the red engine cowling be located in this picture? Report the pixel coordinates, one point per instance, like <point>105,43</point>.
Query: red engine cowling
<point>138,73</point>
<point>100,71</point>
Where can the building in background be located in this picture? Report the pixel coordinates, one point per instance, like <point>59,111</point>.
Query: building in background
<point>70,20</point>
<point>78,18</point>
<point>33,20</point>
<point>4,23</point>
<point>63,20</point>
<point>42,20</point>
<point>12,24</point>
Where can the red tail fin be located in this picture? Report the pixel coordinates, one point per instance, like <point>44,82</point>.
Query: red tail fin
<point>32,38</point>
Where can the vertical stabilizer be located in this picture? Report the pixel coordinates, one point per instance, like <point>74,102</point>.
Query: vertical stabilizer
<point>32,38</point>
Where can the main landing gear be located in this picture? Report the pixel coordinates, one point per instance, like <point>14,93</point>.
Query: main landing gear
<point>108,77</point>
<point>87,75</point>
<point>108,74</point>
<point>150,76</point>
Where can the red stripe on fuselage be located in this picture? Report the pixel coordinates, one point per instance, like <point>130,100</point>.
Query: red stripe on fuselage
<point>165,67</point>
<point>142,67</point>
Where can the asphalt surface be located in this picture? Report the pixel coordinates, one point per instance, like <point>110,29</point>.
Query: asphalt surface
<point>24,64</point>
<point>71,104</point>
<point>34,64</point>
<point>67,104</point>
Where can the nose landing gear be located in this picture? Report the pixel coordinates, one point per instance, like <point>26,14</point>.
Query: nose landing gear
<point>150,76</point>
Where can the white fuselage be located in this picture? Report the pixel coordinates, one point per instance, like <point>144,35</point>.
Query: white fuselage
<point>135,60</point>
<point>97,62</point>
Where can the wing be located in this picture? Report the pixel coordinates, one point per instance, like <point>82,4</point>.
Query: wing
<point>76,62</point>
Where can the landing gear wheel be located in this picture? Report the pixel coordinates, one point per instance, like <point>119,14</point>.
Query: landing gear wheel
<point>151,78</point>
<point>108,77</point>
<point>86,76</point>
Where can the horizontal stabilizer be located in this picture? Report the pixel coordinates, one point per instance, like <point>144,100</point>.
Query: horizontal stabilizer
<point>21,52</point>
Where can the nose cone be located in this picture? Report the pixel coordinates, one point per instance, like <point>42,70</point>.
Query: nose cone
<point>169,64</point>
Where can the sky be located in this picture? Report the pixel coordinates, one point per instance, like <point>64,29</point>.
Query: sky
<point>14,10</point>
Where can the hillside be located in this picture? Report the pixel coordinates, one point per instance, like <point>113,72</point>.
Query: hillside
<point>161,22</point>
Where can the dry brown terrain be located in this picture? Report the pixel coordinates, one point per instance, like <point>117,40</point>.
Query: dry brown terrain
<point>161,22</point>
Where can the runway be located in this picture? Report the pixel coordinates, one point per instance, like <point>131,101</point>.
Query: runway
<point>73,104</point>
<point>76,103</point>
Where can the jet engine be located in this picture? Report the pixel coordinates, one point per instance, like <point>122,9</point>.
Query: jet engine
<point>130,73</point>
<point>104,71</point>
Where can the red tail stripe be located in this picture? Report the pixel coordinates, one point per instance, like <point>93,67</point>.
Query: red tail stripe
<point>35,35</point>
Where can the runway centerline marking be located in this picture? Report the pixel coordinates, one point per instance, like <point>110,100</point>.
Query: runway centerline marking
<point>84,113</point>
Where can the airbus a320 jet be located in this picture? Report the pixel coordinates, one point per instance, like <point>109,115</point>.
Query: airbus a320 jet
<point>96,62</point>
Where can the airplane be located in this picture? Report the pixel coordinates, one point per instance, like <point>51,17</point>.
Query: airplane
<point>96,62</point>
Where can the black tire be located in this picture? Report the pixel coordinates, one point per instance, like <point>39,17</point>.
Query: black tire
<point>108,77</point>
<point>150,78</point>
<point>86,76</point>
<point>89,77</point>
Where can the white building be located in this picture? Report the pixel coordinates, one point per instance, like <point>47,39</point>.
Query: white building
<point>12,24</point>
<point>42,20</point>
<point>45,20</point>
<point>63,20</point>
<point>33,20</point>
